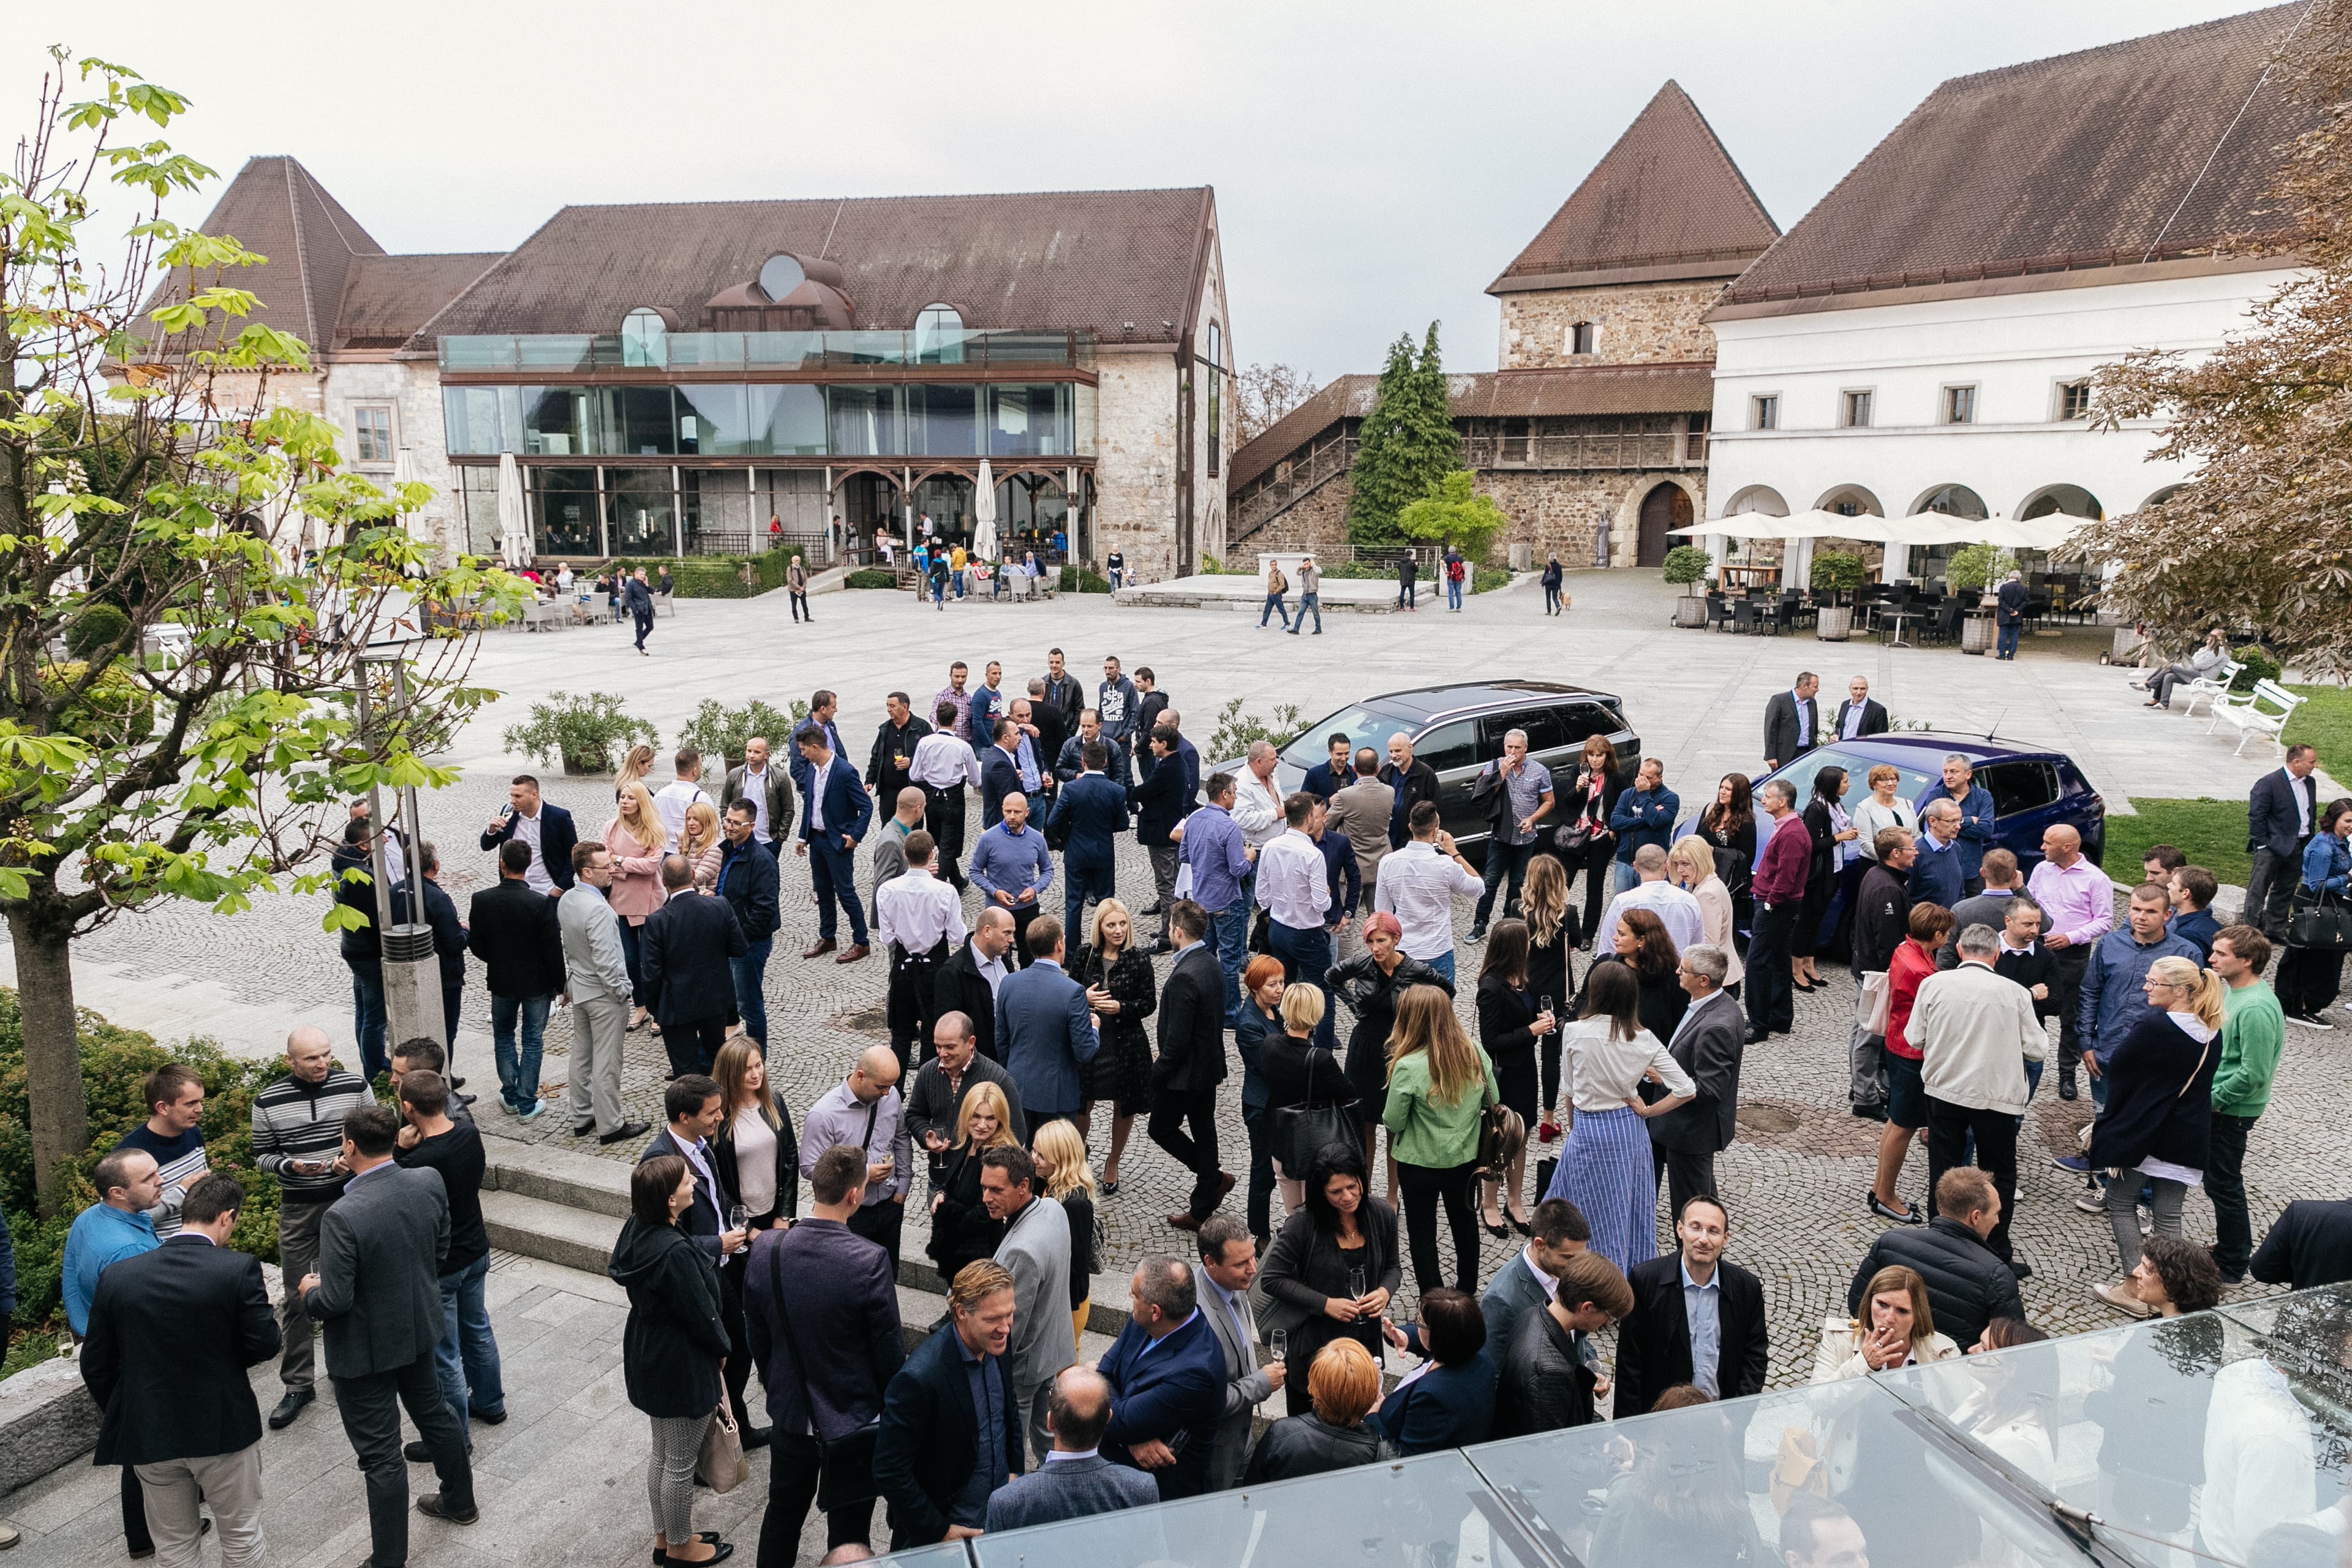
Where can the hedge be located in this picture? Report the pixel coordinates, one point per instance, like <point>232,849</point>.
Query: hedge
<point>1079,580</point>
<point>717,577</point>
<point>114,1062</point>
<point>871,577</point>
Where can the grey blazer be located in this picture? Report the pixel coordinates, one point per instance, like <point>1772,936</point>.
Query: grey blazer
<point>379,1251</point>
<point>1512,1291</point>
<point>1069,1488</point>
<point>1036,1251</point>
<point>1246,1384</point>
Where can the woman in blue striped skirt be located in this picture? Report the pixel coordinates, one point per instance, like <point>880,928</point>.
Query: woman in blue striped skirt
<point>1606,1169</point>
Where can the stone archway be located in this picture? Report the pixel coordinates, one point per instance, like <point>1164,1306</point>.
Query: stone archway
<point>1627,532</point>
<point>1665,507</point>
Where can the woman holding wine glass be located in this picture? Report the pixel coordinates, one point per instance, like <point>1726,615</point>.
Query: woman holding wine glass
<point>1333,1268</point>
<point>961,1228</point>
<point>1510,1021</point>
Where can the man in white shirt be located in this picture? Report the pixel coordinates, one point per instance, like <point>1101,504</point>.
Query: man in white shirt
<point>1419,883</point>
<point>1294,887</point>
<point>681,794</point>
<point>1676,909</point>
<point>944,764</point>
<point>1975,1031</point>
<point>919,920</point>
<point>1257,802</point>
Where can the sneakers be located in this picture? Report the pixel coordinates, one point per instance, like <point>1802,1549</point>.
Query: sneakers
<point>537,1109</point>
<point>2092,1203</point>
<point>2078,1163</point>
<point>2119,1296</point>
<point>2309,1020</point>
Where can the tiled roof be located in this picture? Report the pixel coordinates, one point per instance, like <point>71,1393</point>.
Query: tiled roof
<point>1091,261</point>
<point>386,297</point>
<point>276,208</point>
<point>1490,394</point>
<point>1666,193</point>
<point>2150,147</point>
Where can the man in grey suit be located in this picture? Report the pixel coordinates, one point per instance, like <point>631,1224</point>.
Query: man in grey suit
<point>1075,1480</point>
<point>1709,1044</point>
<point>1221,1282</point>
<point>377,1288</point>
<point>1557,1232</point>
<point>1036,1252</point>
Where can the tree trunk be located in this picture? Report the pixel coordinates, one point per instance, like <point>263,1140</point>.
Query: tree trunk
<point>59,1111</point>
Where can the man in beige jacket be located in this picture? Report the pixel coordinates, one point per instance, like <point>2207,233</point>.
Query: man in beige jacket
<point>1976,1030</point>
<point>1362,811</point>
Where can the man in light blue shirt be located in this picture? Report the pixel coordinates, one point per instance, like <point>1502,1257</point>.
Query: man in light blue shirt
<point>115,1228</point>
<point>1012,868</point>
<point>1211,843</point>
<point>1703,1306</point>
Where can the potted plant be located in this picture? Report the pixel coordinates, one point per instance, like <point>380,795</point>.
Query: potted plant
<point>1836,572</point>
<point>1687,565</point>
<point>584,733</point>
<point>1975,570</point>
<point>717,731</point>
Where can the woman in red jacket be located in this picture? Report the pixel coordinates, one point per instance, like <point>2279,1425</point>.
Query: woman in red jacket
<point>1907,1096</point>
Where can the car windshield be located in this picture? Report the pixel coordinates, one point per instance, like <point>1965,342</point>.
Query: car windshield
<point>1857,774</point>
<point>1363,727</point>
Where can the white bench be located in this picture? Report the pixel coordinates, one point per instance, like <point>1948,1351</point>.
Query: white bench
<point>2264,712</point>
<point>2212,688</point>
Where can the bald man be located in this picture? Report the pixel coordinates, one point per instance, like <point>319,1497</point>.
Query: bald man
<point>2078,907</point>
<point>889,856</point>
<point>864,1111</point>
<point>297,1137</point>
<point>1075,1480</point>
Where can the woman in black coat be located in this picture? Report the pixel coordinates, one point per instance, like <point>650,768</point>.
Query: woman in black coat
<point>962,1230</point>
<point>2158,1119</point>
<point>1641,942</point>
<point>1553,932</point>
<point>1585,807</point>
<point>1341,1233</point>
<point>1369,984</point>
<point>1729,826</point>
<point>1510,1025</point>
<point>1116,974</point>
<point>1826,824</point>
<point>1345,1383</point>
<point>1297,1072</point>
<point>671,1346</point>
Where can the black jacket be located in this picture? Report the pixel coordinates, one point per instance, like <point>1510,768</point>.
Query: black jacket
<point>675,1338</point>
<point>1158,802</point>
<point>1415,784</point>
<point>358,944</point>
<point>2310,1244</point>
<point>1654,1350</point>
<point>1000,775</point>
<point>1545,1384</point>
<point>683,950</point>
<point>747,881</point>
<point>1882,918</point>
<point>930,1436</point>
<point>1373,995</point>
<point>699,1223</point>
<point>448,931</point>
<point>960,987</point>
<point>1874,718</point>
<point>891,741</point>
<point>2038,967</point>
<point>2273,821</point>
<point>1192,1024</point>
<point>2159,1096</point>
<point>1780,726</point>
<point>171,1334</point>
<point>1968,1286</point>
<point>963,1231</point>
<point>1062,691</point>
<point>1503,1015</point>
<point>515,932</point>
<point>556,837</point>
<point>788,1156</point>
<point>1299,1445</point>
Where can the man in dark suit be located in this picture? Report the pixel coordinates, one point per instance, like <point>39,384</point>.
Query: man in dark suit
<point>1045,1030</point>
<point>951,1431</point>
<point>1792,722</point>
<point>1191,1062</point>
<point>1048,728</point>
<point>2309,1245</point>
<point>1413,781</point>
<point>171,1334</point>
<point>1000,772</point>
<point>1168,1381</point>
<point>2009,615</point>
<point>1695,1319</point>
<point>1089,813</point>
<point>518,937</point>
<point>1861,713</point>
<point>682,951</point>
<point>547,829</point>
<point>439,912</point>
<point>377,1288</point>
<point>839,812</point>
<point>821,1309</point>
<point>1707,1044</point>
<point>1160,801</point>
<point>752,887</point>
<point>2281,812</point>
<point>967,983</point>
<point>692,1108</point>
<point>1078,1481</point>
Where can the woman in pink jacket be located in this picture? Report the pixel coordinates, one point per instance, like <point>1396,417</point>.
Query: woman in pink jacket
<point>637,840</point>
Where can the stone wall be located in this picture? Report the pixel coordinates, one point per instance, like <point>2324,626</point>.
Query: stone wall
<point>1635,324</point>
<point>1557,511</point>
<point>1135,472</point>
<point>413,388</point>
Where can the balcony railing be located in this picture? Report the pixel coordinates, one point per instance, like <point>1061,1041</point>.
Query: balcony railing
<point>568,353</point>
<point>1649,450</point>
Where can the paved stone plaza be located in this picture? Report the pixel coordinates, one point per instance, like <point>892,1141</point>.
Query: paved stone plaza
<point>564,1481</point>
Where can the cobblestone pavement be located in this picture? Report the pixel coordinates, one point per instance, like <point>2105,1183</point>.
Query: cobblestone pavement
<point>1795,1179</point>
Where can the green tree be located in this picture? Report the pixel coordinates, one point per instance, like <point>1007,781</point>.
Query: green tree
<point>143,466</point>
<point>1453,512</point>
<point>1408,443</point>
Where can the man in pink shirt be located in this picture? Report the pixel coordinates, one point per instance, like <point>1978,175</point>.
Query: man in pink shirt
<point>2078,905</point>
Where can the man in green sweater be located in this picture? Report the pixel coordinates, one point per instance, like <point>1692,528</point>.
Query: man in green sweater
<point>2254,1027</point>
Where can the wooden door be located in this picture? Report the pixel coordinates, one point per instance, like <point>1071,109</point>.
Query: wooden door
<point>1667,507</point>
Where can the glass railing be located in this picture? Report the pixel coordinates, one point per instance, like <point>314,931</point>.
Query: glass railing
<point>2217,1440</point>
<point>769,351</point>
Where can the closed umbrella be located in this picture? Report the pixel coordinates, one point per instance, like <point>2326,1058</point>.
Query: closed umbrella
<point>403,472</point>
<point>983,514</point>
<point>514,521</point>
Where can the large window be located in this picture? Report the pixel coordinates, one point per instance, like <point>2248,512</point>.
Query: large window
<point>728,419</point>
<point>939,421</point>
<point>640,421</point>
<point>715,421</point>
<point>1216,396</point>
<point>560,421</point>
<point>864,420</point>
<point>938,335</point>
<point>563,511</point>
<point>641,509</point>
<point>1029,421</point>
<point>794,421</point>
<point>1581,337</point>
<point>643,338</point>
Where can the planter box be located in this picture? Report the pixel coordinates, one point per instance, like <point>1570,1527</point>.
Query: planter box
<point>1690,611</point>
<point>1976,635</point>
<point>1835,623</point>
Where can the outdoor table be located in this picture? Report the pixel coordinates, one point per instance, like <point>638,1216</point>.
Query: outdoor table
<point>1898,617</point>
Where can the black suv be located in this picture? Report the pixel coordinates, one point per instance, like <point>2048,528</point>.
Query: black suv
<point>1458,729</point>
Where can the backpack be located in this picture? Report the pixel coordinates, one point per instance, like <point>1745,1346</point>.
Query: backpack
<point>1454,571</point>
<point>1275,583</point>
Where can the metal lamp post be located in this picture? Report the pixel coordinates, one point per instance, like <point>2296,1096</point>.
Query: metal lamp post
<point>412,971</point>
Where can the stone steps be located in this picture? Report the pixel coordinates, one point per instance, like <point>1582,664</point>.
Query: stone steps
<point>551,1232</point>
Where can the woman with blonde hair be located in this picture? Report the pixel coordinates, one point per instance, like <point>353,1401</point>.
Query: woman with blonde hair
<point>1299,1073</point>
<point>1553,933</point>
<point>636,768</point>
<point>1440,1084</point>
<point>1881,809</point>
<point>1896,1328</point>
<point>637,839</point>
<point>1121,992</point>
<point>1061,1168</point>
<point>2157,1124</point>
<point>1690,865</point>
<point>700,846</point>
<point>961,1228</point>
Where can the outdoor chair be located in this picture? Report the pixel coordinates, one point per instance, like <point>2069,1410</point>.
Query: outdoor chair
<point>2262,711</point>
<point>1743,617</point>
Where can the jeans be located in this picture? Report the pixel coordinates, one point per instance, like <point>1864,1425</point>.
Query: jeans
<point>1080,883</point>
<point>1231,937</point>
<point>2008,646</point>
<point>2225,1184</point>
<point>1274,608</point>
<point>1772,994</point>
<point>1307,602</point>
<point>1551,601</point>
<point>467,1356</point>
<point>1423,1186</point>
<point>367,1015</point>
<point>1404,592</point>
<point>1502,860</point>
<point>1452,595</point>
<point>1305,958</point>
<point>751,972</point>
<point>1443,964</point>
<point>518,1071</point>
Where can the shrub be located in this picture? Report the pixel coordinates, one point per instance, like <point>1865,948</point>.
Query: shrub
<point>1972,570</point>
<point>715,576</point>
<point>870,577</point>
<point>115,711</point>
<point>114,1062</point>
<point>2258,666</point>
<point>717,731</point>
<point>1838,572</point>
<point>1484,579</point>
<point>97,624</point>
<point>1686,564</point>
<point>1238,731</point>
<point>584,733</point>
<point>1209,566</point>
<point>1079,580</point>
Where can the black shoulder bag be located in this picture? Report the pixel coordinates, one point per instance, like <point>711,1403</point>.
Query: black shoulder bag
<point>844,1465</point>
<point>1302,1130</point>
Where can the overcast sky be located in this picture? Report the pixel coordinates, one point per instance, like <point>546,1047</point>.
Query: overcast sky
<point>1375,164</point>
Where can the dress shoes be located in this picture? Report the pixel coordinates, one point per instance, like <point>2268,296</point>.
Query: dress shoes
<point>852,954</point>
<point>1184,1221</point>
<point>1224,1184</point>
<point>661,1557</point>
<point>720,1550</point>
<point>431,1506</point>
<point>290,1407</point>
<point>757,1437</point>
<point>824,944</point>
<point>624,1131</point>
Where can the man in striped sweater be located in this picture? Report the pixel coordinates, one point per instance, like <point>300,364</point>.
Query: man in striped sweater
<point>176,1105</point>
<point>297,1137</point>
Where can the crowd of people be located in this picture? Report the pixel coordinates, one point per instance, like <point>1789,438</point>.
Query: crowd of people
<point>759,1240</point>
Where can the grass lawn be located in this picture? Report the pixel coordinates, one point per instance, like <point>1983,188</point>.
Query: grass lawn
<point>2325,722</point>
<point>2211,833</point>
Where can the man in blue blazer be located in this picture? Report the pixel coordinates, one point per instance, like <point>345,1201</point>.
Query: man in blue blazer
<point>1045,1030</point>
<point>1166,1376</point>
<point>999,772</point>
<point>936,1462</point>
<point>839,812</point>
<point>1089,813</point>
<point>1960,787</point>
<point>548,828</point>
<point>2281,809</point>
<point>1076,1480</point>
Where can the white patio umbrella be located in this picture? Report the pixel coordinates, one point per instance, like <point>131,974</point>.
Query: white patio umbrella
<point>1814,524</point>
<point>403,472</point>
<point>983,514</point>
<point>514,521</point>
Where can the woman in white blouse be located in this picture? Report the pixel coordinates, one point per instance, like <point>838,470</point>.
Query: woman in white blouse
<point>1691,865</point>
<point>1897,1329</point>
<point>1883,808</point>
<point>1605,1169</point>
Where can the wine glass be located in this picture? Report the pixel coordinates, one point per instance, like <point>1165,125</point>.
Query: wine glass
<point>1356,1282</point>
<point>1278,1342</point>
<point>1546,1006</point>
<point>738,1217</point>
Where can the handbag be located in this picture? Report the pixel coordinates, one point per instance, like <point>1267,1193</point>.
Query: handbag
<point>1501,1134</point>
<point>1873,1002</point>
<point>845,1464</point>
<point>721,1461</point>
<point>1300,1132</point>
<point>2326,922</point>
